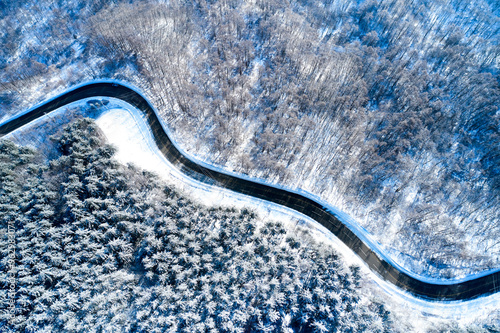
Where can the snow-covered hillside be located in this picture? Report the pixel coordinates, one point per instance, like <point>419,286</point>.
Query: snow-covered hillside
<point>387,110</point>
<point>125,128</point>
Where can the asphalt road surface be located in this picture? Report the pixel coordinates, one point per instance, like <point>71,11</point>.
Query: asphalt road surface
<point>463,290</point>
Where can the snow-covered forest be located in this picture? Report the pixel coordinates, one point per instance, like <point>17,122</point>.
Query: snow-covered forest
<point>387,109</point>
<point>101,247</point>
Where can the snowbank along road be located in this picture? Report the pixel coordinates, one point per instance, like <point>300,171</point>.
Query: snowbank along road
<point>464,289</point>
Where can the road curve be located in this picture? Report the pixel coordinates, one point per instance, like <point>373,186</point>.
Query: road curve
<point>438,291</point>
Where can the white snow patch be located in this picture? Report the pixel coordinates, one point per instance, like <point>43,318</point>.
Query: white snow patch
<point>121,127</point>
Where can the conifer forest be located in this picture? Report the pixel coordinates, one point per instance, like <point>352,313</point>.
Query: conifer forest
<point>102,247</point>
<point>385,109</point>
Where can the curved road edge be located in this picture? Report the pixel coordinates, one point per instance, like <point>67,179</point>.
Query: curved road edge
<point>464,289</point>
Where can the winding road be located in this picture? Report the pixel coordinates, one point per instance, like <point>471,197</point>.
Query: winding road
<point>436,291</point>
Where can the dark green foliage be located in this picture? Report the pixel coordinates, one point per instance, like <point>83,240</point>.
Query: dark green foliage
<point>102,247</point>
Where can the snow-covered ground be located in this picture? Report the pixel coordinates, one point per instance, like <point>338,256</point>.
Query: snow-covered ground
<point>126,129</point>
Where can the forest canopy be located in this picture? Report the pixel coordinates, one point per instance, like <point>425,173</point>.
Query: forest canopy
<point>105,247</point>
<point>387,109</point>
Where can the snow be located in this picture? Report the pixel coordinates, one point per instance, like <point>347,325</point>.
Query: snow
<point>126,129</point>
<point>119,126</point>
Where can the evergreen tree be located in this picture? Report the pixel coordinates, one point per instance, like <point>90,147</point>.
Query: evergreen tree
<point>102,247</point>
